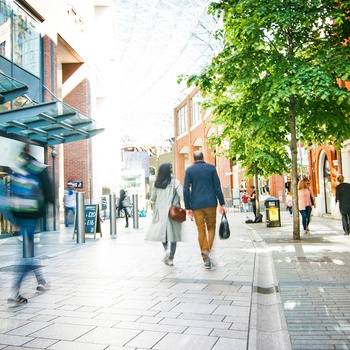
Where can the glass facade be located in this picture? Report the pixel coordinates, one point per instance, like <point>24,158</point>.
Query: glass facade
<point>19,36</point>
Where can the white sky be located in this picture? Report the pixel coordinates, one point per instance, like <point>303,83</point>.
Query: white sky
<point>157,40</point>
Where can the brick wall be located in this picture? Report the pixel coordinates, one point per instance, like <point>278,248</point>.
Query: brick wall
<point>77,160</point>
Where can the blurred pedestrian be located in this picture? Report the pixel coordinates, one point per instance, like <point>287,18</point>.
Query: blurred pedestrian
<point>30,190</point>
<point>166,192</point>
<point>245,201</point>
<point>202,191</point>
<point>289,203</point>
<point>305,204</point>
<point>69,202</point>
<point>124,204</point>
<point>252,198</point>
<point>342,195</point>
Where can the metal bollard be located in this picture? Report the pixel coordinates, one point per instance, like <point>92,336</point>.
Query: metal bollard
<point>80,217</point>
<point>135,207</point>
<point>113,215</point>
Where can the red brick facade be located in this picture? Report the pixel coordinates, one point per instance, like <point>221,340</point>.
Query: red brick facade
<point>195,138</point>
<point>77,160</point>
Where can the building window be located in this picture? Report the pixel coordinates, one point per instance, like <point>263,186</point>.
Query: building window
<point>22,44</point>
<point>196,111</point>
<point>26,43</point>
<point>182,120</point>
<point>5,28</point>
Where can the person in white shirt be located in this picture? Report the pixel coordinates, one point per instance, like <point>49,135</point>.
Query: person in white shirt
<point>69,201</point>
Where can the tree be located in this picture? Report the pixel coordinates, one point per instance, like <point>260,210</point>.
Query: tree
<point>275,79</point>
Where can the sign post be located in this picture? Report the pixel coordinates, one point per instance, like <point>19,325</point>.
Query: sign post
<point>79,221</point>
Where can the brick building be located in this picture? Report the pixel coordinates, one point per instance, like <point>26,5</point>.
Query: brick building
<point>49,92</point>
<point>192,129</point>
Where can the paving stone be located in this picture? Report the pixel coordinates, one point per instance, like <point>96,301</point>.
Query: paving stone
<point>122,299</point>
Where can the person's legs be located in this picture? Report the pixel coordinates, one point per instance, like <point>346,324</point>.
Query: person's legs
<point>308,216</point>
<point>211,225</point>
<point>345,222</point>
<point>66,210</point>
<point>27,229</point>
<point>205,219</point>
<point>303,218</point>
<point>199,218</point>
<point>254,208</point>
<point>172,250</point>
<point>126,217</point>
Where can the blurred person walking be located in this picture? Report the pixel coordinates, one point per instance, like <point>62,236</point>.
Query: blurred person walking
<point>202,191</point>
<point>69,202</point>
<point>30,190</point>
<point>124,204</point>
<point>305,204</point>
<point>342,195</point>
<point>252,198</point>
<point>245,200</point>
<point>166,192</point>
<point>289,203</point>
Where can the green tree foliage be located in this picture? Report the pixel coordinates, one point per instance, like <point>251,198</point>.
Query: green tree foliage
<point>275,81</point>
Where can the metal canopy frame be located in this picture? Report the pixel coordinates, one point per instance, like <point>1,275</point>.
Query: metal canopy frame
<point>49,123</point>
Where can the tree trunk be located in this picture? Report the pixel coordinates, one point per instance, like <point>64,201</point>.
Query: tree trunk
<point>294,185</point>
<point>256,181</point>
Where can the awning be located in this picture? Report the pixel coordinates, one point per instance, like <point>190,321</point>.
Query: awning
<point>10,88</point>
<point>49,123</point>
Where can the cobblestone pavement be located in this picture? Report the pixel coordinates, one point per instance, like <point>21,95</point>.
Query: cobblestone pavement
<point>265,291</point>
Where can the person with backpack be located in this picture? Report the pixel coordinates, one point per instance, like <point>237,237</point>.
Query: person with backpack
<point>30,189</point>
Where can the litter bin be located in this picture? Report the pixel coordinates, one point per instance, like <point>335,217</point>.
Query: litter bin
<point>273,213</point>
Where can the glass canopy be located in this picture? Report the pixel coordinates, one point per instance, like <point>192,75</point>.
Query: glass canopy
<point>49,123</point>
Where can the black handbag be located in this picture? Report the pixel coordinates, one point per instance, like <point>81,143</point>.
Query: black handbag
<point>224,228</point>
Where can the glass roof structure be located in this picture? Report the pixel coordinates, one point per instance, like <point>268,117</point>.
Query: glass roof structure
<point>158,40</point>
<point>49,123</point>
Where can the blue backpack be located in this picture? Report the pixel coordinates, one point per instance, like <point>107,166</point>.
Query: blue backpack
<point>26,195</point>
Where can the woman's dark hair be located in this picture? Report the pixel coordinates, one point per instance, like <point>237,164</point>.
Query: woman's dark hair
<point>164,176</point>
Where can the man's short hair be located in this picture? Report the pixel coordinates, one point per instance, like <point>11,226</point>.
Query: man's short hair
<point>198,155</point>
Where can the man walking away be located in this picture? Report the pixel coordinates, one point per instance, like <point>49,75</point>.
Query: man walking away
<point>202,191</point>
<point>342,195</point>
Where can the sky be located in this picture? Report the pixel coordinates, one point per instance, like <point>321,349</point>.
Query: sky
<point>158,40</point>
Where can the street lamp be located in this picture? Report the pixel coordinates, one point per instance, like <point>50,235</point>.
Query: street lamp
<point>53,155</point>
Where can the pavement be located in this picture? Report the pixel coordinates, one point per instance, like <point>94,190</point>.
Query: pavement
<point>265,291</point>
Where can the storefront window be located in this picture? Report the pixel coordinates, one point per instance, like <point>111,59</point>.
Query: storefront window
<point>22,44</point>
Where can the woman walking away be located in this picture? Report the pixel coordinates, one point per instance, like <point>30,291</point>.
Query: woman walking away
<point>124,204</point>
<point>166,191</point>
<point>305,205</point>
<point>289,203</point>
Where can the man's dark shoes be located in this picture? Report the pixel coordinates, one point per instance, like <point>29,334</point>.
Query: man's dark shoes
<point>18,300</point>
